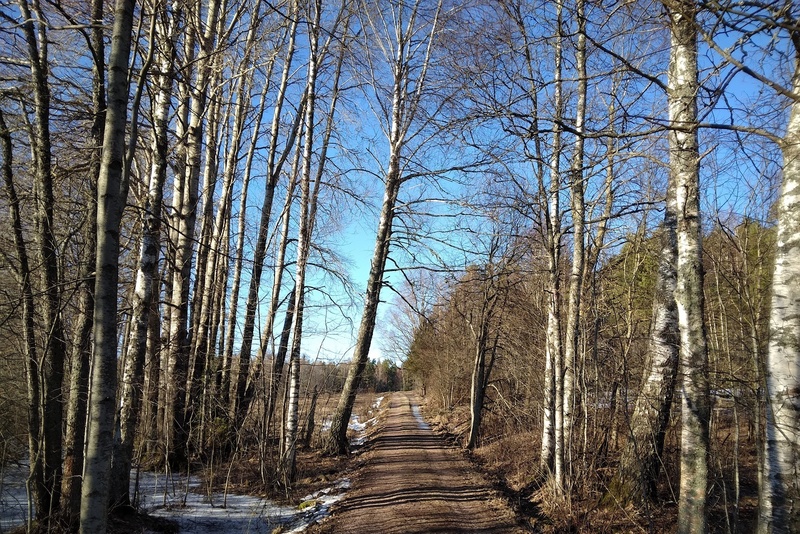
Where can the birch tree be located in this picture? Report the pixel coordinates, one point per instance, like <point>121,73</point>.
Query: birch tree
<point>780,511</point>
<point>275,161</point>
<point>111,201</point>
<point>403,36</point>
<point>309,199</point>
<point>684,171</point>
<point>185,198</point>
<point>166,24</point>
<point>574,297</point>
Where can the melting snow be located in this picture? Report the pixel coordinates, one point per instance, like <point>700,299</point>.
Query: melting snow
<point>13,497</point>
<point>418,416</point>
<point>185,501</point>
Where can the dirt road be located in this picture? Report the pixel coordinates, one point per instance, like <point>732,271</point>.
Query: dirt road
<point>412,481</point>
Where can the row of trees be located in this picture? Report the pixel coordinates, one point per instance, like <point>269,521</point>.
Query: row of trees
<point>546,293</point>
<point>177,175</point>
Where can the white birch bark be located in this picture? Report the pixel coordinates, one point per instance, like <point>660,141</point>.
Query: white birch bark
<point>185,215</point>
<point>145,288</point>
<point>553,427</point>
<point>289,448</point>
<point>574,297</point>
<point>111,202</point>
<point>684,170</point>
<point>275,161</point>
<point>400,29</point>
<point>780,512</point>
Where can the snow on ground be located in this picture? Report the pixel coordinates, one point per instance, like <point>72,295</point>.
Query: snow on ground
<point>418,416</point>
<point>185,501</point>
<point>13,497</point>
<point>316,506</point>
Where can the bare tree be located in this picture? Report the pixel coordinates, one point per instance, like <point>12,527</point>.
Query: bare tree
<point>685,169</point>
<point>166,25</point>
<point>112,193</point>
<point>405,36</point>
<point>46,459</point>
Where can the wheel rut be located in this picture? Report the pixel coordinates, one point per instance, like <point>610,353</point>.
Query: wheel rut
<point>413,482</point>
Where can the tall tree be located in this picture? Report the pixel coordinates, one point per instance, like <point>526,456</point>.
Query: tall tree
<point>112,192</point>
<point>166,24</point>
<point>46,460</point>
<point>406,35</point>
<point>685,170</point>
<point>185,199</point>
<point>81,350</point>
<point>781,512</point>
<point>575,294</point>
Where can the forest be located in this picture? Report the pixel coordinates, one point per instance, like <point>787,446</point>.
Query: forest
<point>581,218</point>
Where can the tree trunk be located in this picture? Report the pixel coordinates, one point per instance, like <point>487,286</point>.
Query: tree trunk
<point>185,206</point>
<point>287,466</point>
<point>274,166</point>
<point>575,295</point>
<point>24,276</point>
<point>781,511</point>
<point>74,437</point>
<point>146,283</point>
<point>404,104</point>
<point>684,171</point>
<point>640,461</point>
<point>551,458</point>
<point>111,202</point>
<point>46,465</point>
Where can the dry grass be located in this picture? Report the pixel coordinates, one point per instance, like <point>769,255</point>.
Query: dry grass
<point>511,459</point>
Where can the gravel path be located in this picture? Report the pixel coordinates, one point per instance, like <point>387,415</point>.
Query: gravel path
<point>412,481</point>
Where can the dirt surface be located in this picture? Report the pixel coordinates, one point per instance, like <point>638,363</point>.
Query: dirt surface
<point>412,481</point>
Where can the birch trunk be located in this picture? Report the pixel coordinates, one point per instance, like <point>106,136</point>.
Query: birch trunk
<point>308,200</point>
<point>223,375</point>
<point>404,101</point>
<point>574,297</point>
<point>552,455</point>
<point>480,369</point>
<point>781,510</point>
<point>145,290</point>
<point>274,166</point>
<point>111,202</point>
<point>185,206</point>
<point>640,461</point>
<point>684,172</point>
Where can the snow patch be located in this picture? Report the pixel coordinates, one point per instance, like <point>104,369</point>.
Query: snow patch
<point>185,500</point>
<point>13,497</point>
<point>418,416</point>
<point>316,506</point>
